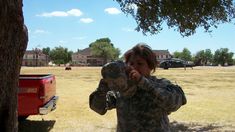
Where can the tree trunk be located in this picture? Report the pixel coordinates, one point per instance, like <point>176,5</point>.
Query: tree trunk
<point>13,42</point>
<point>105,60</point>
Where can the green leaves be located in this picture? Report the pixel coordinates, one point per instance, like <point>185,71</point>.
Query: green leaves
<point>105,49</point>
<point>185,16</point>
<point>203,57</point>
<point>60,55</point>
<point>223,56</point>
<point>184,55</point>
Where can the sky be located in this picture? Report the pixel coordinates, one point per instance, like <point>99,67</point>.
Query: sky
<point>74,24</point>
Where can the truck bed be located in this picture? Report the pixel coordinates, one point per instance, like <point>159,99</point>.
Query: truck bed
<point>35,91</point>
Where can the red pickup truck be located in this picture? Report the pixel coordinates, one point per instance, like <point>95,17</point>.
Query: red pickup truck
<point>36,95</point>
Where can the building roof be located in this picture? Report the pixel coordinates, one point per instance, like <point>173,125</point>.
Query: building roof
<point>161,52</point>
<point>33,52</point>
<point>86,51</point>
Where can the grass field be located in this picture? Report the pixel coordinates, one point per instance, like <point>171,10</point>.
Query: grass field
<point>210,92</point>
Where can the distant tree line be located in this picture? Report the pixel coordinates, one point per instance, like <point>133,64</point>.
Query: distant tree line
<point>105,49</point>
<point>101,48</point>
<point>221,56</point>
<point>58,55</point>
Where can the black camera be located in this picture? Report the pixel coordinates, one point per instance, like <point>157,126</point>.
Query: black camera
<point>116,76</point>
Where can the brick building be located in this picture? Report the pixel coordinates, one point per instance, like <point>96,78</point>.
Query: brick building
<point>162,54</point>
<point>35,58</point>
<point>85,58</point>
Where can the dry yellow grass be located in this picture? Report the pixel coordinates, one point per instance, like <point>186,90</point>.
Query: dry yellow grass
<point>210,92</point>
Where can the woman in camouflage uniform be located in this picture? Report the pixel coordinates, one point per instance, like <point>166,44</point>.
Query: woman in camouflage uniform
<point>143,102</point>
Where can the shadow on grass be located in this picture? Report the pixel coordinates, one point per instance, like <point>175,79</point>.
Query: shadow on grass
<point>36,126</point>
<point>192,127</point>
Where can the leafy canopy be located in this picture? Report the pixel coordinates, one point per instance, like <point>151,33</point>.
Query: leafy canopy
<point>185,54</point>
<point>60,55</point>
<point>46,50</point>
<point>223,56</point>
<point>184,16</point>
<point>105,49</point>
<point>203,57</point>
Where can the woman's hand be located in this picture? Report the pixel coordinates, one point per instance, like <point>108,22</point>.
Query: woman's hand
<point>134,75</point>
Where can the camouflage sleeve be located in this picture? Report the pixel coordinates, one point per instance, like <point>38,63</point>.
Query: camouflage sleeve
<point>169,97</point>
<point>102,99</point>
<point>97,99</point>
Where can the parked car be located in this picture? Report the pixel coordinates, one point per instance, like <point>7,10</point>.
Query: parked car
<point>37,95</point>
<point>175,63</point>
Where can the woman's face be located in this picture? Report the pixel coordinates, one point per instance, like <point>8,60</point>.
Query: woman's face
<point>139,64</point>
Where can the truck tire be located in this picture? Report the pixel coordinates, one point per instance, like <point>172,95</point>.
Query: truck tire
<point>22,118</point>
<point>166,68</point>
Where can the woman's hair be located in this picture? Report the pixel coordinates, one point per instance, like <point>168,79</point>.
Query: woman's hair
<point>145,52</point>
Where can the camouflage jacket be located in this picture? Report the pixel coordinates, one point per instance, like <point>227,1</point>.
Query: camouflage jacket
<point>146,110</point>
<point>141,106</point>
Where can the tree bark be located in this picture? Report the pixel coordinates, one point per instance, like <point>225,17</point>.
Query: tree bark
<point>13,43</point>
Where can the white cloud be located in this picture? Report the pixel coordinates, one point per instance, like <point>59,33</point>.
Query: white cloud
<point>54,14</point>
<point>72,12</point>
<point>112,11</point>
<point>86,20</point>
